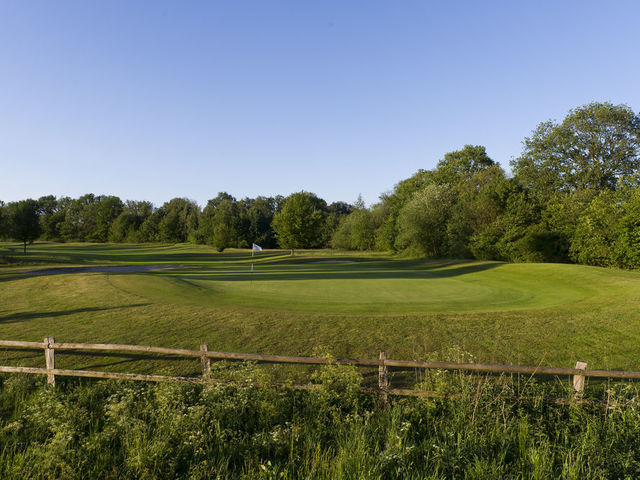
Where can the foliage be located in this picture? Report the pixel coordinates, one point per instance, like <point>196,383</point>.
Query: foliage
<point>299,223</point>
<point>423,221</point>
<point>127,226</point>
<point>461,166</point>
<point>356,231</point>
<point>178,219</point>
<point>596,233</point>
<point>592,148</point>
<point>491,428</point>
<point>628,229</point>
<point>23,221</point>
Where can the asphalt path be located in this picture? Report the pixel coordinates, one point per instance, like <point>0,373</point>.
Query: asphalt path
<point>106,269</point>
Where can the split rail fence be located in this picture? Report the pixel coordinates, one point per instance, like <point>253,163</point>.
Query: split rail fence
<point>579,373</point>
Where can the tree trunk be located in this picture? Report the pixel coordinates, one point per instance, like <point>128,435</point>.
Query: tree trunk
<point>292,252</point>
<point>25,248</point>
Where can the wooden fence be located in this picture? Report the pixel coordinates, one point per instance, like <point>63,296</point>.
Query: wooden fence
<point>579,373</point>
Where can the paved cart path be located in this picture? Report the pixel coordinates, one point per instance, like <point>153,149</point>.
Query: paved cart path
<point>107,268</point>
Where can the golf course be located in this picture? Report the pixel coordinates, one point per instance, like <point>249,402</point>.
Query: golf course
<point>347,304</point>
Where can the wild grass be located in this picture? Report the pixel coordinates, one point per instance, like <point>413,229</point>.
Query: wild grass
<point>496,428</point>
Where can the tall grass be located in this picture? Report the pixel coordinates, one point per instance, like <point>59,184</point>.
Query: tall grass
<point>496,427</point>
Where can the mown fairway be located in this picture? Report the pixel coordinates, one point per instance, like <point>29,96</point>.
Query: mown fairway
<point>350,304</point>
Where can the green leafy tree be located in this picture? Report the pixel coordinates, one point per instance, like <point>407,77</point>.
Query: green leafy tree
<point>560,217</point>
<point>356,231</point>
<point>78,222</point>
<point>226,222</point>
<point>259,215</point>
<point>384,236</point>
<point>24,221</point>
<point>221,222</point>
<point>336,212</point>
<point>499,239</point>
<point>127,226</point>
<point>178,220</point>
<point>422,223</point>
<point>597,232</point>
<point>460,166</point>
<point>150,229</point>
<point>520,214</point>
<point>101,214</point>
<point>52,216</point>
<point>299,223</point>
<point>627,247</point>
<point>392,202</point>
<point>3,221</point>
<point>479,200</point>
<point>593,147</point>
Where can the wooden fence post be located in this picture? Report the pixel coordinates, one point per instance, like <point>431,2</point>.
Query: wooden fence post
<point>49,359</point>
<point>206,361</point>
<point>383,378</point>
<point>578,380</point>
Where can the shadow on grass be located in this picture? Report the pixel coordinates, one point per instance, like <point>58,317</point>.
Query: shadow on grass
<point>339,272</point>
<point>22,316</point>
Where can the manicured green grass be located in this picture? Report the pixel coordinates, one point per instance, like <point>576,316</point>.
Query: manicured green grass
<point>413,308</point>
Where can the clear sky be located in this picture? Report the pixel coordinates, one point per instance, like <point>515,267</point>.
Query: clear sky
<point>153,100</point>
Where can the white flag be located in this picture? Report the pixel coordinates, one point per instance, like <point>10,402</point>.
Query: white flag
<point>256,248</point>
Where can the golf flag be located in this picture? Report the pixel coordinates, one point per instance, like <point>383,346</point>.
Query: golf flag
<point>256,248</point>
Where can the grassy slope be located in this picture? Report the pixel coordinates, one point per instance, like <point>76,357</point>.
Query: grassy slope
<point>522,313</point>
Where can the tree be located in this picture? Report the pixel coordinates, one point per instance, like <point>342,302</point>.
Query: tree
<point>422,223</point>
<point>299,223</point>
<point>220,222</point>
<point>479,200</point>
<point>460,166</point>
<point>595,237</point>
<point>225,225</point>
<point>593,147</point>
<point>356,231</point>
<point>24,221</point>
<point>341,208</point>
<point>259,215</point>
<point>127,226</point>
<point>3,220</point>
<point>51,217</point>
<point>103,212</point>
<point>386,232</point>
<point>178,220</point>
<point>78,222</point>
<point>628,247</point>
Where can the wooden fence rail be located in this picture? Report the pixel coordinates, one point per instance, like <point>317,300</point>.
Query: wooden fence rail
<point>579,373</point>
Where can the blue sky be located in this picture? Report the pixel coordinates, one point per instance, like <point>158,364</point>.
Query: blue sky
<point>153,100</point>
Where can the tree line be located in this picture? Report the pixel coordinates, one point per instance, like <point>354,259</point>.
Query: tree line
<point>573,196</point>
<point>301,220</point>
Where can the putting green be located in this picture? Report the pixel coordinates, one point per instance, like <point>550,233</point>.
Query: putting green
<point>377,286</point>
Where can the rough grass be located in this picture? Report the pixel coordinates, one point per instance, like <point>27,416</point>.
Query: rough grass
<point>495,429</point>
<point>413,308</point>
